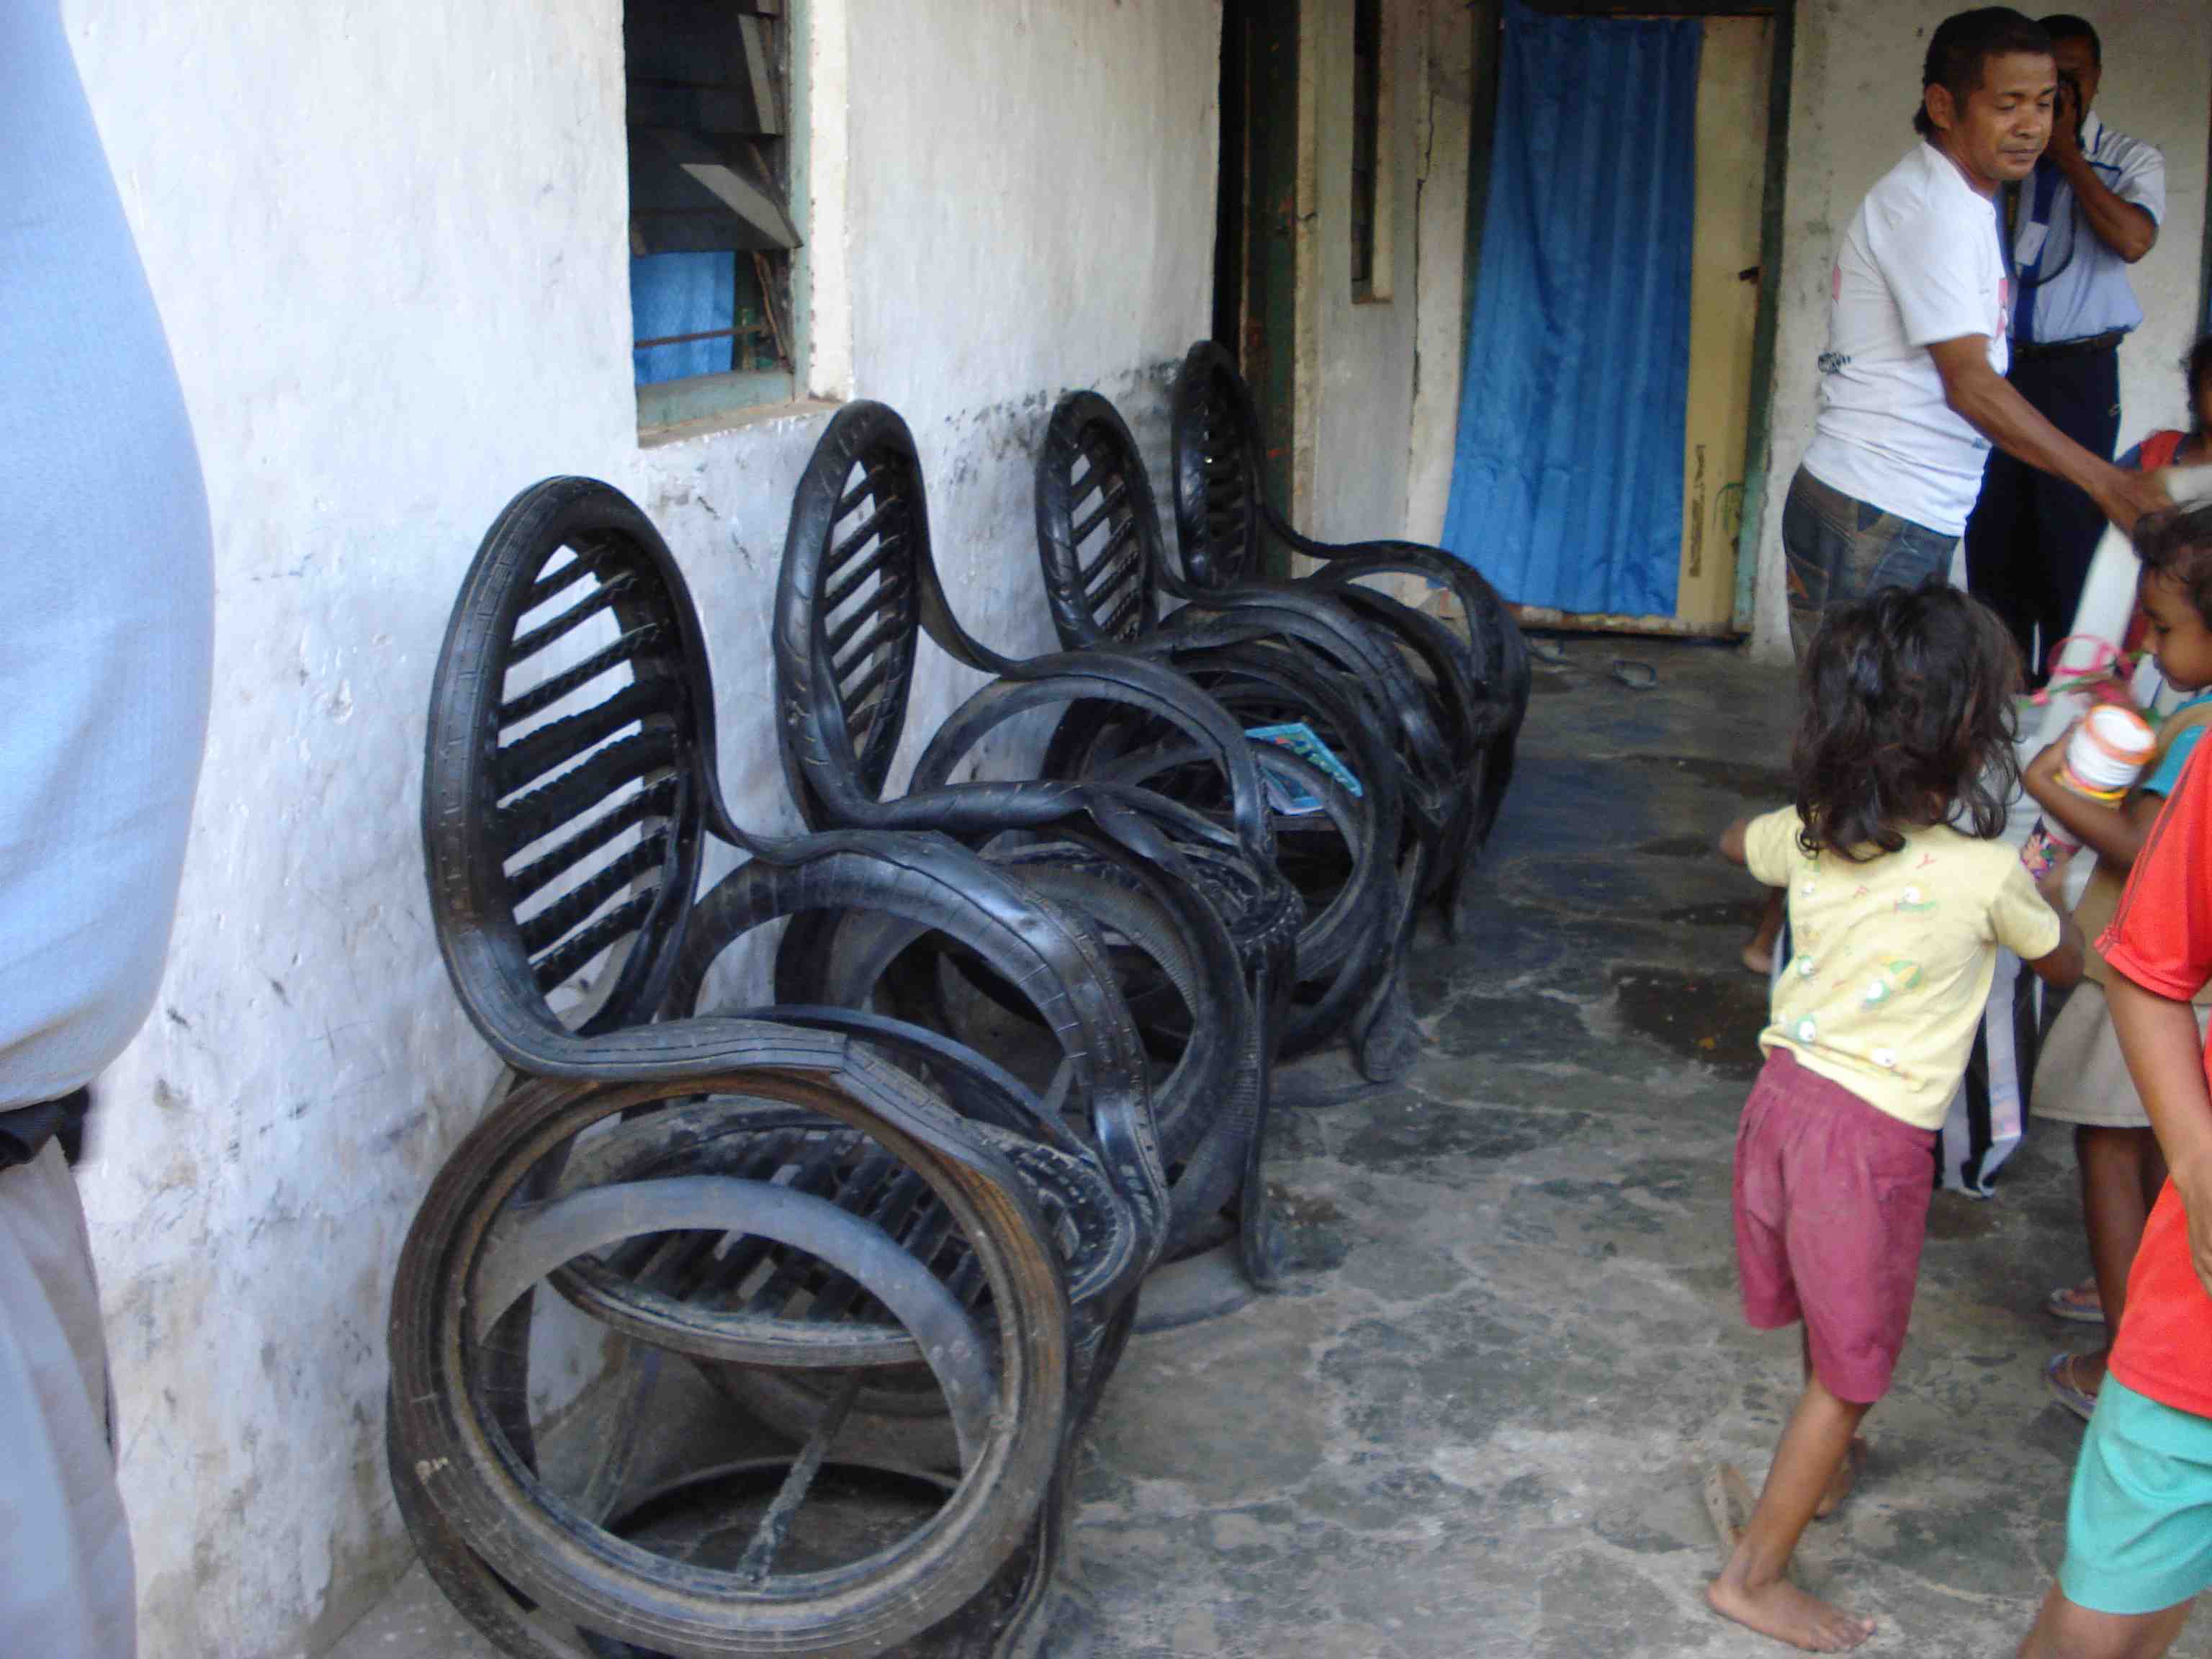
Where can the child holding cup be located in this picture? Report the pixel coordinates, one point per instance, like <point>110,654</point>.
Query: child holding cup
<point>2079,782</point>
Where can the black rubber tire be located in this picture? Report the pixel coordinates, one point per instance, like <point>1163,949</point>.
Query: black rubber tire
<point>482,1493</point>
<point>935,884</point>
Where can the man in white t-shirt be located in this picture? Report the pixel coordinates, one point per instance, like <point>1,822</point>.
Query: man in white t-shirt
<point>1912,384</point>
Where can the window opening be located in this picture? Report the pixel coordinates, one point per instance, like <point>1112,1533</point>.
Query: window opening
<point>711,230</point>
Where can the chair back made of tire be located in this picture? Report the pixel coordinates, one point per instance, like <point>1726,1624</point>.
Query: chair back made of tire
<point>1221,508</point>
<point>829,718</point>
<point>1090,465</point>
<point>1249,642</point>
<point>1098,530</point>
<point>1232,867</point>
<point>1217,470</point>
<point>567,774</point>
<point>1222,514</point>
<point>848,613</point>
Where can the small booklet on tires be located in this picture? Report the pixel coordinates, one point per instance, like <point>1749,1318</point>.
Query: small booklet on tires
<point>1286,793</point>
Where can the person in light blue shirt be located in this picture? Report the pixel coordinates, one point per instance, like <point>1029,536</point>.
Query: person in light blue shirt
<point>2091,209</point>
<point>106,619</point>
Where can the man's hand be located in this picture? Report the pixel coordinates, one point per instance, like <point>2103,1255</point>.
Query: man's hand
<point>2126,497</point>
<point>2121,226</point>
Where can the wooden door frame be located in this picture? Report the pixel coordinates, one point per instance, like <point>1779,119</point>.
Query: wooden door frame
<point>1482,126</point>
<point>1255,236</point>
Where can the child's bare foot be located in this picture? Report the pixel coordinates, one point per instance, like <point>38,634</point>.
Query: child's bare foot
<point>1845,1477</point>
<point>1788,1614</point>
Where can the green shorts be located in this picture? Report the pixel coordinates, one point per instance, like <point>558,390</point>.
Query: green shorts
<point>2139,1525</point>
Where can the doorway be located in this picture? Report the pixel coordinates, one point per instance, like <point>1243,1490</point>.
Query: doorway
<point>1604,522</point>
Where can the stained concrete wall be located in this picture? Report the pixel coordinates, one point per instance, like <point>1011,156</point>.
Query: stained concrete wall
<point>388,241</point>
<point>1856,79</point>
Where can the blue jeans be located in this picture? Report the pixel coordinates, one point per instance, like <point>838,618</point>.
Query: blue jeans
<point>1837,550</point>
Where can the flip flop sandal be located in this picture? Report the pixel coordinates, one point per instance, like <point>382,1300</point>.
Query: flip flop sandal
<point>2069,1303</point>
<point>1636,676</point>
<point>1729,1503</point>
<point>2057,1375</point>
<point>1546,651</point>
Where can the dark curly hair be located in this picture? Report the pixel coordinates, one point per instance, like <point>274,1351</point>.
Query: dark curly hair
<point>1963,44</point>
<point>1909,721</point>
<point>2178,545</point>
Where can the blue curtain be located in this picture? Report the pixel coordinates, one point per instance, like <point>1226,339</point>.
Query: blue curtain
<point>1567,483</point>
<point>681,293</point>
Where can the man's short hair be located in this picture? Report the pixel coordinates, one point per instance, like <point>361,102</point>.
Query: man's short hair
<point>2065,26</point>
<point>1963,44</point>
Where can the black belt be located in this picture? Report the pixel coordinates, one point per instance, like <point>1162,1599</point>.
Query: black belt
<point>25,1130</point>
<point>2040,351</point>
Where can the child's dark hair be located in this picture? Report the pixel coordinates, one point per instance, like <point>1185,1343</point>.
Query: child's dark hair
<point>1908,721</point>
<point>1963,44</point>
<point>2178,545</point>
<point>2196,366</point>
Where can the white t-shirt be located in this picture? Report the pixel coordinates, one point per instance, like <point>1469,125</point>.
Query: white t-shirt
<point>1921,264</point>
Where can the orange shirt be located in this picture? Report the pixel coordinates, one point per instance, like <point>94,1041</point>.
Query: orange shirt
<point>2162,939</point>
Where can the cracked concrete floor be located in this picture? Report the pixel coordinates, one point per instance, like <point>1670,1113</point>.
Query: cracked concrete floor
<point>1476,1422</point>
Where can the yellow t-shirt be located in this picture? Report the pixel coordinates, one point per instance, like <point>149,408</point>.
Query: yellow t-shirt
<point>1891,960</point>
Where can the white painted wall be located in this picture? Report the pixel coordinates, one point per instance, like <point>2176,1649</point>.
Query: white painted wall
<point>388,242</point>
<point>1857,78</point>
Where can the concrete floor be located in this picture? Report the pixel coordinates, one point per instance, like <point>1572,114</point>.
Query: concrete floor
<point>1476,1422</point>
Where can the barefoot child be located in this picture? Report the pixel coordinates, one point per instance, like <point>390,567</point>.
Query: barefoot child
<point>1899,900</point>
<point>2139,1522</point>
<point>2081,1078</point>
